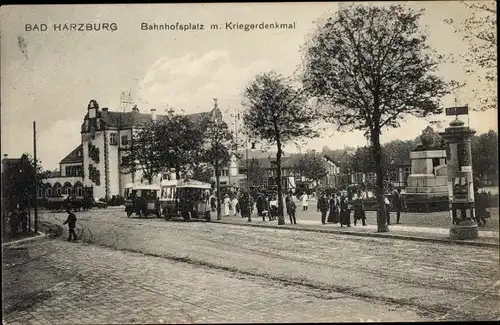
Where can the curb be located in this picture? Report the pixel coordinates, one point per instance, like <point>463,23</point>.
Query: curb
<point>368,234</point>
<point>40,236</point>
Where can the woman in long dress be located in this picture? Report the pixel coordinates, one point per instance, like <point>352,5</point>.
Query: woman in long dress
<point>234,204</point>
<point>345,212</point>
<point>305,204</point>
<point>333,215</point>
<point>227,202</point>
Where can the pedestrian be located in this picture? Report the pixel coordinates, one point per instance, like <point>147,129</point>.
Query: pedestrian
<point>291,208</point>
<point>213,202</point>
<point>71,222</point>
<point>387,209</point>
<point>23,218</point>
<point>235,205</point>
<point>245,205</point>
<point>305,203</point>
<point>323,207</point>
<point>14,221</point>
<point>359,209</point>
<point>345,212</point>
<point>331,208</point>
<point>398,203</point>
<point>226,204</point>
<point>480,209</point>
<point>259,203</point>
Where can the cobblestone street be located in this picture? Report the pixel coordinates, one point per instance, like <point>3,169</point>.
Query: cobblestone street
<point>230,273</point>
<point>101,285</point>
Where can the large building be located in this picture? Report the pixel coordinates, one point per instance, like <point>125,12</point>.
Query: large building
<point>96,162</point>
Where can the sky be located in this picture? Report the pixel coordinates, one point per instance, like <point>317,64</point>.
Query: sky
<point>52,79</point>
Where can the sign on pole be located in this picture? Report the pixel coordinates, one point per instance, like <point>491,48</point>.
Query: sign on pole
<point>457,110</point>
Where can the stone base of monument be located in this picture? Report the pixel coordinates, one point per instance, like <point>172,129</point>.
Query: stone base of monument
<point>466,229</point>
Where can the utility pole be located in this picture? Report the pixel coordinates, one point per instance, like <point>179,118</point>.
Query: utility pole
<point>35,178</point>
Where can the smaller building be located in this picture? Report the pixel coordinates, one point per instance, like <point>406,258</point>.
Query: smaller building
<point>68,180</point>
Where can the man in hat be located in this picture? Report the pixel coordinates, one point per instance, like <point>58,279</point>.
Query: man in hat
<point>323,207</point>
<point>71,222</point>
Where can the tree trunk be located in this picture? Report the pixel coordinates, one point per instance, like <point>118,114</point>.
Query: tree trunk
<point>281,218</point>
<point>177,177</point>
<point>379,188</point>
<point>217,188</point>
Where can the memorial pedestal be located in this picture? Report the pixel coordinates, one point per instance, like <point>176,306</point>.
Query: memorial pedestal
<point>464,230</point>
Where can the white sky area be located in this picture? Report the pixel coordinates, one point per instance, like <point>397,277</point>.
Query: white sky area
<point>183,69</point>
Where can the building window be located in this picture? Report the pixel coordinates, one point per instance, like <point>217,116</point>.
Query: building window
<point>49,192</point>
<point>112,139</point>
<point>79,153</point>
<point>124,140</point>
<point>40,192</point>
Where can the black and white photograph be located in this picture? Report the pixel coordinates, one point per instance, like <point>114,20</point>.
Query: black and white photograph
<point>249,162</point>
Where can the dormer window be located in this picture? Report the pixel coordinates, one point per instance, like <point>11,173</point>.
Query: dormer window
<point>92,108</point>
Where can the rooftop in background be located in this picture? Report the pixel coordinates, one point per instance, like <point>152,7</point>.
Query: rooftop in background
<point>75,156</point>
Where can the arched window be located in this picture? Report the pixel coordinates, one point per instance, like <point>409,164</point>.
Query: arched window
<point>39,192</point>
<point>78,189</point>
<point>48,191</point>
<point>57,189</point>
<point>67,188</point>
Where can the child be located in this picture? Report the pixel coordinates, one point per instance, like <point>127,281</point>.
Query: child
<point>71,221</point>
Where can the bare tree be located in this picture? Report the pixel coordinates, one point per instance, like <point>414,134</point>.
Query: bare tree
<point>277,113</point>
<point>370,66</point>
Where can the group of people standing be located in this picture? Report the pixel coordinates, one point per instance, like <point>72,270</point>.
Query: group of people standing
<point>337,209</point>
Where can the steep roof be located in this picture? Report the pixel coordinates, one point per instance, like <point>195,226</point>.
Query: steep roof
<point>134,118</point>
<point>73,156</point>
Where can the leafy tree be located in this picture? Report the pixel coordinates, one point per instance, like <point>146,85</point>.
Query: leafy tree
<point>217,150</point>
<point>362,161</point>
<point>485,154</point>
<point>144,153</point>
<point>277,113</point>
<point>256,174</point>
<point>179,143</point>
<point>479,31</point>
<point>312,166</point>
<point>369,67</point>
<point>18,183</point>
<point>202,172</point>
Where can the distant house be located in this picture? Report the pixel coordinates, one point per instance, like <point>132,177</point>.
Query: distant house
<point>290,178</point>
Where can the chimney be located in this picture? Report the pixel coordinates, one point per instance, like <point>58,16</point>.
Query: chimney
<point>153,114</point>
<point>135,109</point>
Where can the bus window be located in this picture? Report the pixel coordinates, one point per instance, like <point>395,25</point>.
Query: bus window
<point>168,192</point>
